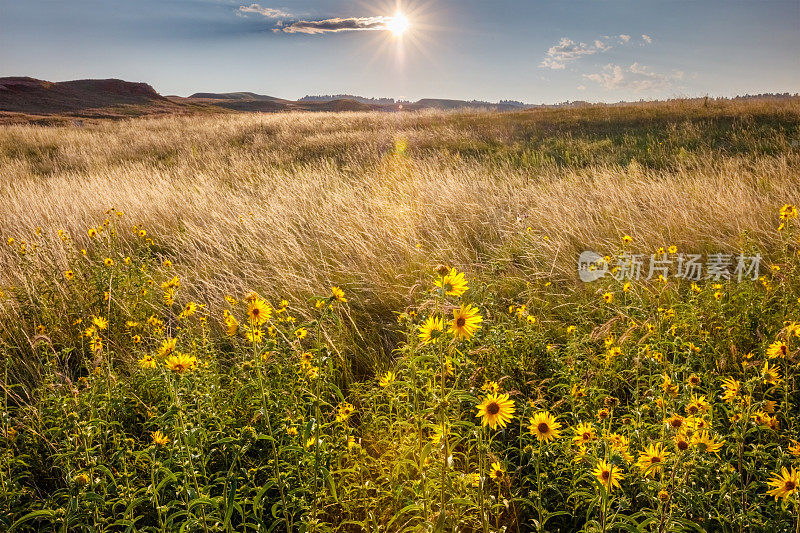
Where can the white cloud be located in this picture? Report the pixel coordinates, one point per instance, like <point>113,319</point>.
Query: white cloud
<point>638,78</point>
<point>268,12</point>
<point>647,38</point>
<point>568,50</point>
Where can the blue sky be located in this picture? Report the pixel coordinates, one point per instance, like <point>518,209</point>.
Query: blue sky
<point>533,51</point>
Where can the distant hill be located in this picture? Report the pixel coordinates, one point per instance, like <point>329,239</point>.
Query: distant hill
<point>237,96</point>
<point>359,99</point>
<point>439,103</point>
<point>426,103</point>
<point>245,101</point>
<point>81,97</point>
<point>24,99</point>
<point>240,101</point>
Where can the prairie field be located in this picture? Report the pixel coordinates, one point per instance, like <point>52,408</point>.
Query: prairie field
<point>374,321</point>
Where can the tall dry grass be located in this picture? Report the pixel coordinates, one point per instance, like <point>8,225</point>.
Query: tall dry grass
<point>290,204</point>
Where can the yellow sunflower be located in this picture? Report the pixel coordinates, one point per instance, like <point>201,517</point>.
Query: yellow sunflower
<point>254,335</point>
<point>777,349</point>
<point>69,275</point>
<point>794,448</point>
<point>697,404</point>
<point>231,324</point>
<point>731,387</point>
<point>608,475</point>
<point>577,392</point>
<point>491,386</point>
<point>668,386</point>
<point>771,374</point>
<point>681,442</point>
<point>788,211</point>
<point>173,283</point>
<point>651,460</point>
<point>497,472</point>
<point>584,433</point>
<point>188,311</point>
<point>496,409</point>
<point>466,321</point>
<point>452,283</point>
<point>387,379</point>
<point>338,294</point>
<point>96,344</point>
<point>167,347</point>
<point>159,439</point>
<point>344,411</point>
<point>706,443</point>
<point>431,329</point>
<point>258,311</point>
<point>147,362</point>
<point>786,484</point>
<point>676,422</point>
<point>180,363</point>
<point>544,426</point>
<point>100,322</point>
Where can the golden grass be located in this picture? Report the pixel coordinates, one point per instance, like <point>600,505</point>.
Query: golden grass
<point>290,204</point>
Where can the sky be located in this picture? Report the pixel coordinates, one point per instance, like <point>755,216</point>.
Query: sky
<point>534,51</point>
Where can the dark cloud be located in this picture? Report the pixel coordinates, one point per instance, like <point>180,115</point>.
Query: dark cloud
<point>336,25</point>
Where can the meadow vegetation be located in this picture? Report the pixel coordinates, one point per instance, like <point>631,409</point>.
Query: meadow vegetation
<point>373,321</point>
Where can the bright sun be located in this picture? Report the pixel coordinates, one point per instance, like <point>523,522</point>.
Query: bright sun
<point>398,24</point>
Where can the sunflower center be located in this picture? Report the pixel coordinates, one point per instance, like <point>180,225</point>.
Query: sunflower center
<point>586,436</point>
<point>605,475</point>
<point>460,321</point>
<point>543,427</point>
<point>683,445</point>
<point>790,485</point>
<point>655,459</point>
<point>677,423</point>
<point>692,409</point>
<point>493,408</point>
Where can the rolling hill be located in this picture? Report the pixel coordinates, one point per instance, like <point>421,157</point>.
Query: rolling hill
<point>24,99</point>
<point>80,98</point>
<point>246,101</point>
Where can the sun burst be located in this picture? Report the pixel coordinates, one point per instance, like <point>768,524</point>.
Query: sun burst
<point>398,24</point>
